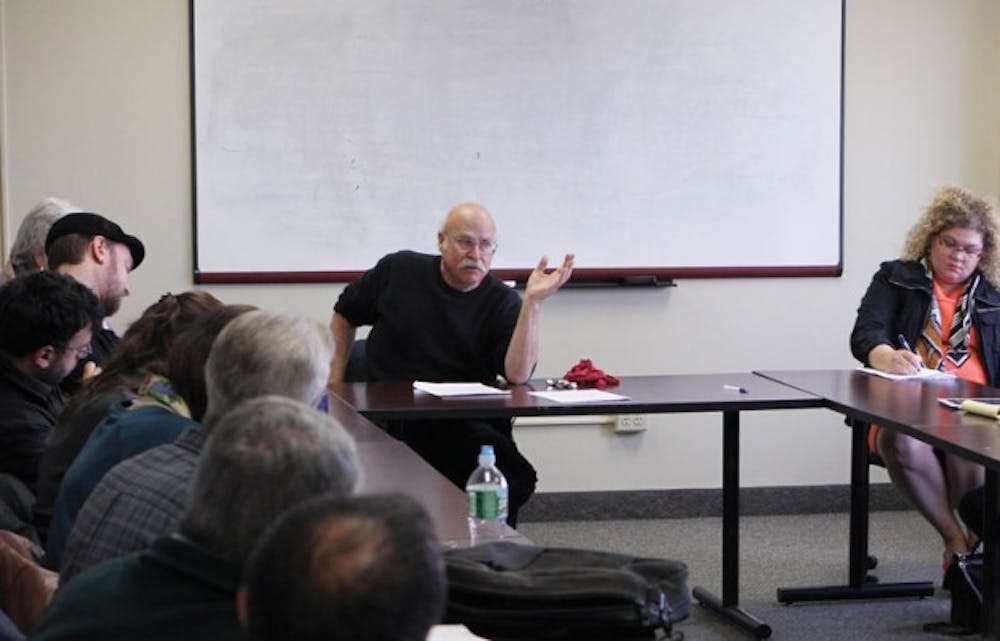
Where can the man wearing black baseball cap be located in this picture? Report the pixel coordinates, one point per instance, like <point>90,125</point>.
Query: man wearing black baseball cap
<point>98,253</point>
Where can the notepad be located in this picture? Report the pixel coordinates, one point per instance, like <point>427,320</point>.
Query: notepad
<point>925,373</point>
<point>450,390</point>
<point>984,406</point>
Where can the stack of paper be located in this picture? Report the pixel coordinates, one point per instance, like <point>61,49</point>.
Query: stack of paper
<point>446,390</point>
<point>924,373</point>
<point>579,396</point>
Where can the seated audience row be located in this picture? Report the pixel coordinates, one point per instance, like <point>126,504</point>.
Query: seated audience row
<point>156,387</point>
<point>138,360</point>
<point>262,457</point>
<point>165,406</point>
<point>145,496</point>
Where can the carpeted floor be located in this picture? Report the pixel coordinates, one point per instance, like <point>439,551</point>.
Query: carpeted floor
<point>783,551</point>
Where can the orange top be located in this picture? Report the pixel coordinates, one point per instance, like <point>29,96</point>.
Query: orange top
<point>972,369</point>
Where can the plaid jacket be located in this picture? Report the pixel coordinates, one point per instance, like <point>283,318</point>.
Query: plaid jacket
<point>139,500</point>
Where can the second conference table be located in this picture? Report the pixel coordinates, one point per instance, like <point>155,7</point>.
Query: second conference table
<point>387,401</point>
<point>911,407</point>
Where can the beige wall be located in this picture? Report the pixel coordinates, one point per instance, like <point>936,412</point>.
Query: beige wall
<point>95,102</point>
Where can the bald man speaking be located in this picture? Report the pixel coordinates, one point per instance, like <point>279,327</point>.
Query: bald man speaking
<point>446,319</point>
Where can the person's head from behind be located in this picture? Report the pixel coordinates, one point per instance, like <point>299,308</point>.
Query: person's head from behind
<point>263,456</point>
<point>365,568</point>
<point>27,254</point>
<point>467,241</point>
<point>96,252</point>
<point>144,347</point>
<point>185,363</point>
<point>957,233</point>
<point>45,324</point>
<point>266,352</point>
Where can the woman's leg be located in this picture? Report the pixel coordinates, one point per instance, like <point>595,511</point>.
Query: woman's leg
<point>963,476</point>
<point>918,473</point>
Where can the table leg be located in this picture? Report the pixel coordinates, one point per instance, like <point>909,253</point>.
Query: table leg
<point>860,585</point>
<point>991,570</point>
<point>728,606</point>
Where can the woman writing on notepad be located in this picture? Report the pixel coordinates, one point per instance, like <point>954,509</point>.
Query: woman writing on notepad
<point>938,307</point>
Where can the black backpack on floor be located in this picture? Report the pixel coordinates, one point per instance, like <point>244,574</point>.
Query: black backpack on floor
<point>506,590</point>
<point>964,579</point>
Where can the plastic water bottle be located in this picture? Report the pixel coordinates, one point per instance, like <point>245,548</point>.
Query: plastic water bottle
<point>487,492</point>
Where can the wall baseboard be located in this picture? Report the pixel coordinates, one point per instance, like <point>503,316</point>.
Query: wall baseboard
<point>674,504</point>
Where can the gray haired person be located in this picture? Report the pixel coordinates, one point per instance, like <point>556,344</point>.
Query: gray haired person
<point>263,457</point>
<point>265,352</point>
<point>259,353</point>
<point>27,254</point>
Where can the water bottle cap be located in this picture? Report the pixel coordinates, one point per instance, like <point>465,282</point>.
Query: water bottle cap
<point>486,450</point>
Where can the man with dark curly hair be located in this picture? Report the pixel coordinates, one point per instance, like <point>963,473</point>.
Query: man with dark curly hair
<point>46,321</point>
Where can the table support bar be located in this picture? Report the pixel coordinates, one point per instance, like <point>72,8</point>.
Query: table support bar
<point>733,614</point>
<point>847,592</point>
<point>860,585</point>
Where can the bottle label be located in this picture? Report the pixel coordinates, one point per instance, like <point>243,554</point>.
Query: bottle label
<point>489,502</point>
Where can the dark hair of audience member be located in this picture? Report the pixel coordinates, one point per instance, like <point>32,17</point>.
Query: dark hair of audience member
<point>144,347</point>
<point>266,454</point>
<point>68,250</point>
<point>44,308</point>
<point>366,568</point>
<point>185,366</point>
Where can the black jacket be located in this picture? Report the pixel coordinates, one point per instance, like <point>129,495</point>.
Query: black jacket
<point>28,411</point>
<point>897,302</point>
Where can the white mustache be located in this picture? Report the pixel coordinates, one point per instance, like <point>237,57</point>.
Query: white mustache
<point>471,262</point>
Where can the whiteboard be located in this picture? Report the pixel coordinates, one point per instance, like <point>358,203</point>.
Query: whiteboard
<point>698,137</point>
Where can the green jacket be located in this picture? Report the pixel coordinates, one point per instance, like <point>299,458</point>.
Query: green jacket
<point>172,590</point>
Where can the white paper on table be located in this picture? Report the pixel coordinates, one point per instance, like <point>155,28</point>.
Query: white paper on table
<point>454,632</point>
<point>579,396</point>
<point>445,390</point>
<point>925,373</point>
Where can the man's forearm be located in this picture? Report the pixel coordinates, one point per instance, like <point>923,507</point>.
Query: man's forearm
<point>522,352</point>
<point>343,339</point>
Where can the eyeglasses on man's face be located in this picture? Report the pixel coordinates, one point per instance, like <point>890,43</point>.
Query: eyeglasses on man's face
<point>468,243</point>
<point>81,352</point>
<point>955,247</point>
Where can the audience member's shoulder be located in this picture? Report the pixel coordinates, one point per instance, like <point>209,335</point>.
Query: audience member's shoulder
<point>156,468</point>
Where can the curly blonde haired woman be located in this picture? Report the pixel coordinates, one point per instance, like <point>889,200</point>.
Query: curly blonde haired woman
<point>941,296</point>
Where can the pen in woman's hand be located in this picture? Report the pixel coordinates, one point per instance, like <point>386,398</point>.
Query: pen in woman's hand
<point>905,344</point>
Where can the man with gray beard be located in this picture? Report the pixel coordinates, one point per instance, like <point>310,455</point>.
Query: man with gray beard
<point>446,318</point>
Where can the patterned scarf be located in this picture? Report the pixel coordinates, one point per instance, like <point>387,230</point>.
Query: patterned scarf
<point>158,391</point>
<point>932,339</point>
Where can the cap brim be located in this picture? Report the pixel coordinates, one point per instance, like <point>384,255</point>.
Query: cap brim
<point>136,248</point>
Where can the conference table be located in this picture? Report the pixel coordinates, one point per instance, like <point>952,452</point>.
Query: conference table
<point>388,465</point>
<point>911,407</point>
<point>908,406</point>
<point>728,394</point>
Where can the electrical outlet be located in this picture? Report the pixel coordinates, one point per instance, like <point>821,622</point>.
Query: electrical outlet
<point>630,423</point>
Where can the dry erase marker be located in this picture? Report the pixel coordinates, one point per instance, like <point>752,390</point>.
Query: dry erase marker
<point>736,388</point>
